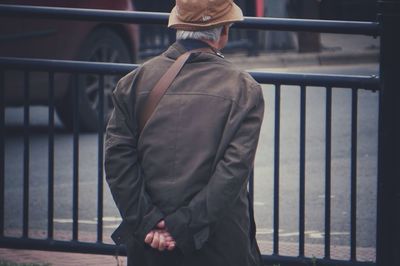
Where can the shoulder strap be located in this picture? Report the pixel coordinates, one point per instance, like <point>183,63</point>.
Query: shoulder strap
<point>162,85</point>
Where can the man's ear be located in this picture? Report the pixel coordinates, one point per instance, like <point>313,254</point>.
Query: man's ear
<point>223,37</point>
<point>225,30</point>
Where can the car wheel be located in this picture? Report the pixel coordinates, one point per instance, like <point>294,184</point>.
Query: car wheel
<point>103,45</point>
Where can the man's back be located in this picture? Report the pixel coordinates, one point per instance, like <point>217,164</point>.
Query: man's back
<point>184,138</point>
<point>195,154</point>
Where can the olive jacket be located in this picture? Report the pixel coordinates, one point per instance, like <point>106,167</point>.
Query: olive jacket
<point>190,164</point>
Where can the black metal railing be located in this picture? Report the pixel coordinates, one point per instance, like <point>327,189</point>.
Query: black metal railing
<point>309,25</point>
<point>329,82</point>
<point>77,68</point>
<point>153,45</point>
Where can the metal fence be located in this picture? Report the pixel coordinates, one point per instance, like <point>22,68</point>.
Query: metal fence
<point>387,130</point>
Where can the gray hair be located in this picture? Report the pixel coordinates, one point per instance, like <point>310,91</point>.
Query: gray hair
<point>212,34</point>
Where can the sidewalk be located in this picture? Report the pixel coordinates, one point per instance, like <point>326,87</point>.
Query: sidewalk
<point>337,49</point>
<point>59,258</point>
<point>72,259</point>
<point>52,258</point>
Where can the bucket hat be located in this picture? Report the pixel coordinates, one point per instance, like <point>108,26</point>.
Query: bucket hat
<point>203,14</point>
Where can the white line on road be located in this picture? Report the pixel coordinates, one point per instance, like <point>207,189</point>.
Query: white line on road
<point>94,221</point>
<point>323,196</point>
<point>111,226</point>
<point>310,234</point>
<point>111,219</point>
<point>68,221</point>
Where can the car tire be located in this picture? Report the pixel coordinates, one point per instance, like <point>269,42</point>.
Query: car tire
<point>102,45</point>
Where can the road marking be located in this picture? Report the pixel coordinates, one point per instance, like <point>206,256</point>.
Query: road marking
<point>323,196</point>
<point>68,221</point>
<point>297,233</point>
<point>319,235</point>
<point>265,231</point>
<point>94,221</point>
<point>259,203</point>
<point>111,226</point>
<point>309,234</point>
<point>111,219</point>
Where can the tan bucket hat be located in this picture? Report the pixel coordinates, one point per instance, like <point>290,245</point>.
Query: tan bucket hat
<point>203,14</point>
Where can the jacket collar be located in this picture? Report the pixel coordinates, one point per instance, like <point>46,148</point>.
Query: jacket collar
<point>182,46</point>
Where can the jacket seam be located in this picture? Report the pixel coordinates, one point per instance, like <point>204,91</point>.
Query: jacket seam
<point>205,94</point>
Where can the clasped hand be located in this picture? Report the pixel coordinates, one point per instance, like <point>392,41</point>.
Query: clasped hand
<point>160,238</point>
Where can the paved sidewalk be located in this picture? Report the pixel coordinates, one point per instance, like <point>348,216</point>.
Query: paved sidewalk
<point>71,259</point>
<point>337,49</point>
<point>59,258</point>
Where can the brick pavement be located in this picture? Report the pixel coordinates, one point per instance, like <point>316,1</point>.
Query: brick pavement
<point>317,250</point>
<point>59,258</point>
<point>71,259</point>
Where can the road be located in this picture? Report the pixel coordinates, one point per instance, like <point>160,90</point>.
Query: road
<point>315,162</point>
<point>264,172</point>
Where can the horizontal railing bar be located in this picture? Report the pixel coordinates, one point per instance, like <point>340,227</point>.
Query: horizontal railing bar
<point>311,25</point>
<point>319,80</point>
<point>10,63</point>
<point>323,80</point>
<point>328,26</point>
<point>63,246</point>
<point>295,261</point>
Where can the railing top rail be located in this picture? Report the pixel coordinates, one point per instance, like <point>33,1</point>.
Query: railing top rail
<point>320,80</point>
<point>343,81</point>
<point>328,26</point>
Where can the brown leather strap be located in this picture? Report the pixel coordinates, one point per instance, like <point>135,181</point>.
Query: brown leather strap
<point>162,85</point>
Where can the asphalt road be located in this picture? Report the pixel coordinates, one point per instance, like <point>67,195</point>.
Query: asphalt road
<point>315,162</point>
<point>289,168</point>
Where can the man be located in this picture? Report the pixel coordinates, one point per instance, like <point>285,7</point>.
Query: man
<point>181,183</point>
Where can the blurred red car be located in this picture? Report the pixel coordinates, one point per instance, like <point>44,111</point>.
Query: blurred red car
<point>67,40</point>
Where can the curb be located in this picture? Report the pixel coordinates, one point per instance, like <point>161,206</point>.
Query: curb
<point>283,60</point>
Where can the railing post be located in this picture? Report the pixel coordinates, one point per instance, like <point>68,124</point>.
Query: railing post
<point>388,224</point>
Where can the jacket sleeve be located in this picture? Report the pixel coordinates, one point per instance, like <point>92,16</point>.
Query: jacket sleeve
<point>123,172</point>
<point>190,225</point>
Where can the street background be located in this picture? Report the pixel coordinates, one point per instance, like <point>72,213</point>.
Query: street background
<point>267,51</point>
<point>363,51</point>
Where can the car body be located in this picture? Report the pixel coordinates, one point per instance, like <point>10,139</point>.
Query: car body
<point>65,40</point>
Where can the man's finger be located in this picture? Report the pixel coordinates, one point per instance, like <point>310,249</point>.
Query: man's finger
<point>168,238</point>
<point>149,237</point>
<point>171,246</point>
<point>161,244</point>
<point>156,240</point>
<point>161,224</point>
